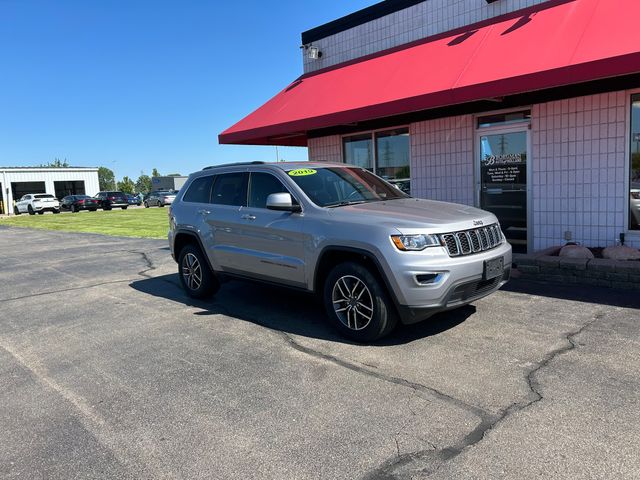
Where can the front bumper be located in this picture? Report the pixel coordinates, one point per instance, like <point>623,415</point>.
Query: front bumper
<point>455,281</point>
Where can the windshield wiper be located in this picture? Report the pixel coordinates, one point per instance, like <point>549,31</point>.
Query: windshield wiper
<point>345,203</point>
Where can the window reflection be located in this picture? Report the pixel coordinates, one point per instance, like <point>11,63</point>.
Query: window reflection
<point>634,184</point>
<point>389,158</point>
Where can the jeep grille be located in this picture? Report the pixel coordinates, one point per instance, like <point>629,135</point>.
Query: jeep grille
<point>472,241</point>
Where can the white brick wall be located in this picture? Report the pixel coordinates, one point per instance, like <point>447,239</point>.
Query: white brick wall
<point>442,159</point>
<point>414,23</point>
<point>579,170</point>
<point>579,167</point>
<point>325,149</point>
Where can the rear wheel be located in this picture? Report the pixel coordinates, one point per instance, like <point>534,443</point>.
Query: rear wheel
<point>30,210</point>
<point>146,204</point>
<point>41,212</point>
<point>357,303</point>
<point>124,208</point>
<point>56,211</point>
<point>196,277</point>
<point>107,207</point>
<point>73,209</point>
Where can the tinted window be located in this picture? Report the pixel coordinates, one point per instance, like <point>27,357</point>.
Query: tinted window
<point>199,190</point>
<point>263,185</point>
<point>230,189</point>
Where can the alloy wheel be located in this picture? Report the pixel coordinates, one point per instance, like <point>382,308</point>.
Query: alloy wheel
<point>352,302</point>
<point>192,271</point>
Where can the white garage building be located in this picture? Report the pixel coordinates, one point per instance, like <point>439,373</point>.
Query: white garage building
<point>60,182</point>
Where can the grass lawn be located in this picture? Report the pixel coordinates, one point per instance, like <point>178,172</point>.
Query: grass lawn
<point>133,222</point>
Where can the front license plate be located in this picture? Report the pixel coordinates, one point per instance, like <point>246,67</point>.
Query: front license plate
<point>493,268</point>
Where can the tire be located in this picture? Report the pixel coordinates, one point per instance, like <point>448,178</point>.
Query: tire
<point>16,211</point>
<point>204,285</point>
<point>93,209</point>
<point>56,211</point>
<point>358,304</point>
<point>30,210</point>
<point>161,204</point>
<point>146,204</point>
<point>107,207</point>
<point>73,209</point>
<point>40,212</point>
<point>124,208</point>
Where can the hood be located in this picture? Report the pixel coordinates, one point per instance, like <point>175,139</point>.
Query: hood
<point>414,215</point>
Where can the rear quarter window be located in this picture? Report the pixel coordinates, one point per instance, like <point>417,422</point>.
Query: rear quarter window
<point>199,191</point>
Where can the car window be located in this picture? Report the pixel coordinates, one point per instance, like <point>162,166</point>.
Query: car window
<point>44,195</point>
<point>261,186</point>
<point>199,191</point>
<point>230,189</point>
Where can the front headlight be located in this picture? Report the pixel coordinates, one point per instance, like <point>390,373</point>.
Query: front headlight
<point>415,242</point>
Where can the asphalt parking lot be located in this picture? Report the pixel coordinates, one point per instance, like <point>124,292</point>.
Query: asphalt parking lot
<point>107,370</point>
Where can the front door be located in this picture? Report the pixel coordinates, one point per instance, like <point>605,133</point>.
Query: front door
<point>503,181</point>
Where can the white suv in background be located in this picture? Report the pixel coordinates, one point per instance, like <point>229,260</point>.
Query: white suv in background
<point>33,203</point>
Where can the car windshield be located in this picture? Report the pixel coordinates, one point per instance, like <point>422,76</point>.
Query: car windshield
<point>339,186</point>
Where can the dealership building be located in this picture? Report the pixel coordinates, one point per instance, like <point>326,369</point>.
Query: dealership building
<point>526,108</point>
<point>58,181</point>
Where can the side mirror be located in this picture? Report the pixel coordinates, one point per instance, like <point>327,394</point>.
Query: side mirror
<point>283,202</point>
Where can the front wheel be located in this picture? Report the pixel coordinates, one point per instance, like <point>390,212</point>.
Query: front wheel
<point>16,211</point>
<point>196,277</point>
<point>146,204</point>
<point>357,303</point>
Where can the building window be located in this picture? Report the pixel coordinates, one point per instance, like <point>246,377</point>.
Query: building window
<point>385,153</point>
<point>634,162</point>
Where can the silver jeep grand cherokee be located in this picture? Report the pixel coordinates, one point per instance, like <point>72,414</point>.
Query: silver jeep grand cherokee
<point>375,255</point>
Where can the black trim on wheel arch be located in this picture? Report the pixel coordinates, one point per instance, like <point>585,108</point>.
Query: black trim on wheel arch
<point>200,245</point>
<point>359,251</point>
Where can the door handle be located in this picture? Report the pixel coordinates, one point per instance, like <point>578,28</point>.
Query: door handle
<point>248,216</point>
<point>204,211</point>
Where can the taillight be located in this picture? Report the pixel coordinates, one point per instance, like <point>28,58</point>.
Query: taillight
<point>80,201</point>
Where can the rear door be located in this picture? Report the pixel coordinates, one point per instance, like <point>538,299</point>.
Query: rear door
<point>222,219</point>
<point>269,243</point>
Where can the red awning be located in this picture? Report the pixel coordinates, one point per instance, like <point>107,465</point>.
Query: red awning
<point>570,42</point>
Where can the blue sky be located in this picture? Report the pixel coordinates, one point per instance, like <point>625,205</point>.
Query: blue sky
<point>133,85</point>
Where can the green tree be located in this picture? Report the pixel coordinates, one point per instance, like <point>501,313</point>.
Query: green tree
<point>155,172</point>
<point>57,163</point>
<point>143,184</point>
<point>106,178</point>
<point>126,185</point>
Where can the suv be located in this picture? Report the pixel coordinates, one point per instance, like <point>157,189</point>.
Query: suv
<point>159,198</point>
<point>109,200</point>
<point>33,203</point>
<point>374,254</point>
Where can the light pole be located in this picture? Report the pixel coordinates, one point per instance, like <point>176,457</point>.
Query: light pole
<point>113,169</point>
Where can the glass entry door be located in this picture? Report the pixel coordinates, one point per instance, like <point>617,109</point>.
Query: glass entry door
<point>503,181</point>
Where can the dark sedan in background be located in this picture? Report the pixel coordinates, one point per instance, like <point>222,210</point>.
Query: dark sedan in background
<point>75,203</point>
<point>109,200</point>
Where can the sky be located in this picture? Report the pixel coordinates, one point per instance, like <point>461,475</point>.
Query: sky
<point>136,84</point>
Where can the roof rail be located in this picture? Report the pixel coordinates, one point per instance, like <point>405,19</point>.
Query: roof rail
<point>234,164</point>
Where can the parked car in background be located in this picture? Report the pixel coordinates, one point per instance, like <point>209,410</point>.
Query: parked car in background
<point>373,254</point>
<point>109,200</point>
<point>134,199</point>
<point>33,203</point>
<point>75,203</point>
<point>160,198</point>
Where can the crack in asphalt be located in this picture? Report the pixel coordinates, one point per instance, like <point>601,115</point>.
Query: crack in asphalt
<point>390,469</point>
<point>142,273</point>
